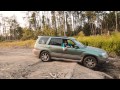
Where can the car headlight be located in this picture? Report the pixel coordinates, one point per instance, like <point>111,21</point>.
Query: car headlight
<point>104,55</point>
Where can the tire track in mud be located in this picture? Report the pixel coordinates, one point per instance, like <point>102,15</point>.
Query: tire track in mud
<point>22,73</point>
<point>21,68</point>
<point>44,72</point>
<point>26,66</point>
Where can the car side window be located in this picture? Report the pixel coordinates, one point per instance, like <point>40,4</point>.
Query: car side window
<point>71,43</point>
<point>55,41</point>
<point>43,40</point>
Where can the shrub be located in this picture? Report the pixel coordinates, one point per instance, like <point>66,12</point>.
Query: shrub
<point>27,35</point>
<point>2,38</point>
<point>81,34</point>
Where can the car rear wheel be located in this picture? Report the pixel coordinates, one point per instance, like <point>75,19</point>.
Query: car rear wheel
<point>45,56</point>
<point>90,62</point>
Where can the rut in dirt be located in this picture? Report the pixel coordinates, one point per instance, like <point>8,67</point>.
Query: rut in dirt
<point>23,73</point>
<point>112,68</point>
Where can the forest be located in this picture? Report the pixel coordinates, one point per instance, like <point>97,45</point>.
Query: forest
<point>96,28</point>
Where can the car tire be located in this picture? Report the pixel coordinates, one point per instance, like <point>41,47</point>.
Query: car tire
<point>45,56</point>
<point>90,62</point>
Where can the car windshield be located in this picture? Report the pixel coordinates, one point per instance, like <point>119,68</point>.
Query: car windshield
<point>78,43</point>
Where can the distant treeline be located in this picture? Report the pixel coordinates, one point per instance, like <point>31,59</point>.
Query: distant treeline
<point>60,23</point>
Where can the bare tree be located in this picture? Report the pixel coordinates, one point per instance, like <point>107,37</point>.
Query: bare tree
<point>116,21</point>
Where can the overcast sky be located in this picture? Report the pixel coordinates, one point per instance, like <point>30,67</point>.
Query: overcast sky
<point>18,14</point>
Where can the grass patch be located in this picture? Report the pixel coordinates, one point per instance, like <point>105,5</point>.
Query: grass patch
<point>16,44</point>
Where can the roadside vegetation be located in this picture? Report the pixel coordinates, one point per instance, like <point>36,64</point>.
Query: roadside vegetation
<point>17,44</point>
<point>94,28</point>
<point>110,43</point>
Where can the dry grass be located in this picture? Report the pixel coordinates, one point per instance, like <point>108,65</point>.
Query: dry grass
<point>16,44</point>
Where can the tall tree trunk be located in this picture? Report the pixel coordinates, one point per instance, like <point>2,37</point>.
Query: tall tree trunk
<point>65,26</point>
<point>101,29</point>
<point>116,21</point>
<point>55,23</point>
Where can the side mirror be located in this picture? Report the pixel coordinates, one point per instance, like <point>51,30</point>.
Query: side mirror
<point>76,47</point>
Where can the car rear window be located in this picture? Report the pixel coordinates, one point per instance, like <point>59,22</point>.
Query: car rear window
<point>55,41</point>
<point>43,40</point>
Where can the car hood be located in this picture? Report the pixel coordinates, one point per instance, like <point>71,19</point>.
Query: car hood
<point>90,48</point>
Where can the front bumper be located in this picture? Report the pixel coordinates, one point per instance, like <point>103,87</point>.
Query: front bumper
<point>105,60</point>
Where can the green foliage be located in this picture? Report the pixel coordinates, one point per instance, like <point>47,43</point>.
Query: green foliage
<point>19,32</point>
<point>77,30</point>
<point>37,33</point>
<point>28,34</point>
<point>48,31</point>
<point>87,30</point>
<point>2,38</point>
<point>81,34</point>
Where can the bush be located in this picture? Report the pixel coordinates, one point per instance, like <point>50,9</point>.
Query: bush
<point>2,38</point>
<point>28,34</point>
<point>81,34</point>
<point>37,33</point>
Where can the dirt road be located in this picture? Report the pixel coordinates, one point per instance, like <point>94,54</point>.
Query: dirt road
<point>22,64</point>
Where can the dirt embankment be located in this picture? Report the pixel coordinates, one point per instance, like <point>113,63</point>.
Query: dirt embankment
<point>22,64</point>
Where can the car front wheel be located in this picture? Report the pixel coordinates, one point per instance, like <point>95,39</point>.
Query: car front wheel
<point>90,62</point>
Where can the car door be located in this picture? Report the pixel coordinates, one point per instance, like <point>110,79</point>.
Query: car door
<point>55,47</point>
<point>72,52</point>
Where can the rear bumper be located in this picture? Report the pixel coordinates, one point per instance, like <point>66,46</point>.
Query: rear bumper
<point>36,52</point>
